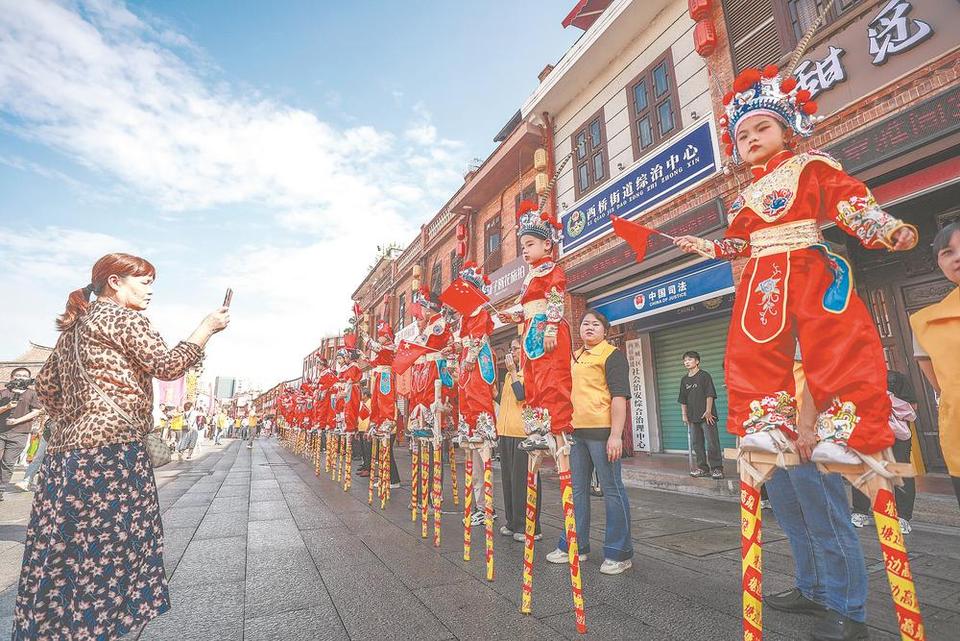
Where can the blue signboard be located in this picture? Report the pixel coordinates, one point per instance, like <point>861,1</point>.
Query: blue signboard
<point>688,160</point>
<point>699,282</point>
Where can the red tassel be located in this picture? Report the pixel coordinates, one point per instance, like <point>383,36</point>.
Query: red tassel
<point>810,108</point>
<point>770,71</point>
<point>728,98</point>
<point>803,95</point>
<point>787,85</point>
<point>729,150</point>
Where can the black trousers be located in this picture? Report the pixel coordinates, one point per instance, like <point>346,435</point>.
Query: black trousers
<point>11,446</point>
<point>698,433</point>
<point>513,479</point>
<point>905,496</point>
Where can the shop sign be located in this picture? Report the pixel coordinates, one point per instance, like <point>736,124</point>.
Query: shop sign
<point>699,221</point>
<point>930,120</point>
<point>883,44</point>
<point>506,281</point>
<point>638,398</point>
<point>699,282</point>
<point>683,163</point>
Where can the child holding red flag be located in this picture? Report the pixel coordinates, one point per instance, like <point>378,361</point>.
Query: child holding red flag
<point>793,288</point>
<point>546,336</point>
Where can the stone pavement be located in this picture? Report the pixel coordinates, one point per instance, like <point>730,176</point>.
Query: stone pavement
<point>258,547</point>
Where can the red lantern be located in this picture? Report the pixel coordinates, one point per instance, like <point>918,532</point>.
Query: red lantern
<point>699,9</point>
<point>461,231</point>
<point>704,38</point>
<point>461,248</point>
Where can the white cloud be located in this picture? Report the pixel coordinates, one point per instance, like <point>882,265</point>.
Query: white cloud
<point>133,100</point>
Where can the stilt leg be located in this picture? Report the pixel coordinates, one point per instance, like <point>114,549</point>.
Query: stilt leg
<point>348,463</point>
<point>530,525</point>
<point>573,548</point>
<point>488,507</point>
<point>467,502</point>
<point>751,574</point>
<point>453,474</point>
<point>374,467</point>
<point>896,562</point>
<point>414,480</point>
<point>385,472</point>
<point>424,485</point>
<point>437,490</point>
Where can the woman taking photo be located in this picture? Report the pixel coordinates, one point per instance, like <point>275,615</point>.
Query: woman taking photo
<point>936,337</point>
<point>601,387</point>
<point>92,562</point>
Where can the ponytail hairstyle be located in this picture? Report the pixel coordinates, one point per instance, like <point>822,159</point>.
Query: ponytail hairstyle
<point>122,265</point>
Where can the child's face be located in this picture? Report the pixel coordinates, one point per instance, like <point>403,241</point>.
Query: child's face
<point>760,138</point>
<point>533,248</point>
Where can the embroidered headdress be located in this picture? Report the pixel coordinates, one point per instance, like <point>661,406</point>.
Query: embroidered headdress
<point>765,92</point>
<point>533,219</point>
<point>474,275</point>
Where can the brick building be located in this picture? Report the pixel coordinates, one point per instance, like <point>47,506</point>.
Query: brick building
<point>634,104</point>
<point>633,94</point>
<point>33,359</point>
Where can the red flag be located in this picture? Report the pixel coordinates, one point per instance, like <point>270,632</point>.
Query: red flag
<point>464,297</point>
<point>636,235</point>
<point>406,354</point>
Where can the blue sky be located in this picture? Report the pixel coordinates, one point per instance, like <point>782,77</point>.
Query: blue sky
<point>265,146</point>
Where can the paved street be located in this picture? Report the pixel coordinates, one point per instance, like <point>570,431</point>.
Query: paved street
<point>257,547</point>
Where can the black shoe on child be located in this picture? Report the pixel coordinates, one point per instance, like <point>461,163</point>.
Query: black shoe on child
<point>836,627</point>
<point>717,474</point>
<point>793,601</point>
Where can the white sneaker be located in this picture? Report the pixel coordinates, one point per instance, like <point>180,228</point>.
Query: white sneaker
<point>905,526</point>
<point>23,485</point>
<point>859,520</point>
<point>520,537</point>
<point>559,556</point>
<point>615,567</point>
<point>505,531</point>
<point>394,486</point>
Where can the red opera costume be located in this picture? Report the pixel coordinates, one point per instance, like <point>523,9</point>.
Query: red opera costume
<point>431,367</point>
<point>348,385</point>
<point>547,378</point>
<point>477,376</point>
<point>326,415</point>
<point>383,392</point>
<point>793,289</point>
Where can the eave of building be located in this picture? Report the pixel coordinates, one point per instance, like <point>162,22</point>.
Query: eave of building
<point>503,167</point>
<point>616,28</point>
<point>386,258</point>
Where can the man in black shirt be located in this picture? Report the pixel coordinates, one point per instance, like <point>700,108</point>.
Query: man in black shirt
<point>697,401</point>
<point>18,407</point>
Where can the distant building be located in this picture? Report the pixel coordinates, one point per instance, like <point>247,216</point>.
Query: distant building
<point>224,387</point>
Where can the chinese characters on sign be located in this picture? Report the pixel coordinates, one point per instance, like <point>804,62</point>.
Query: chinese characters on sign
<point>892,32</point>
<point>889,33</point>
<point>638,399</point>
<point>680,165</point>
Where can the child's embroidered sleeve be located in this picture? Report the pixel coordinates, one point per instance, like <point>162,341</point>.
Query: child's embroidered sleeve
<point>848,201</point>
<point>734,242</point>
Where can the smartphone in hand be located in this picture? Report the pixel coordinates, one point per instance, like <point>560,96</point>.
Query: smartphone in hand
<point>228,297</point>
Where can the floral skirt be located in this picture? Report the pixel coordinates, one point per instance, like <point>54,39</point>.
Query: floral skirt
<point>93,561</point>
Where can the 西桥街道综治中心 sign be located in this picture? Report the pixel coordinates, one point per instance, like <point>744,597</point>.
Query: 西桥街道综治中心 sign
<point>685,161</point>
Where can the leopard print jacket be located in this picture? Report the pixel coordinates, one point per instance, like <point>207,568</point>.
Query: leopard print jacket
<point>122,353</point>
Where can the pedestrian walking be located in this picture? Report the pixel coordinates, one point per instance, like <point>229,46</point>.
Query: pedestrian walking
<point>28,484</point>
<point>698,401</point>
<point>936,333</point>
<point>190,435</point>
<point>513,460</point>
<point>97,388</point>
<point>19,405</point>
<point>601,387</point>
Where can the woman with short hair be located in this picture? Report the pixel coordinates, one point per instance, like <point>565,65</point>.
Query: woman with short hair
<point>92,561</point>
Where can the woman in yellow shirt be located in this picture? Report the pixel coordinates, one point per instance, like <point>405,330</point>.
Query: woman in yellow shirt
<point>936,333</point>
<point>601,387</point>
